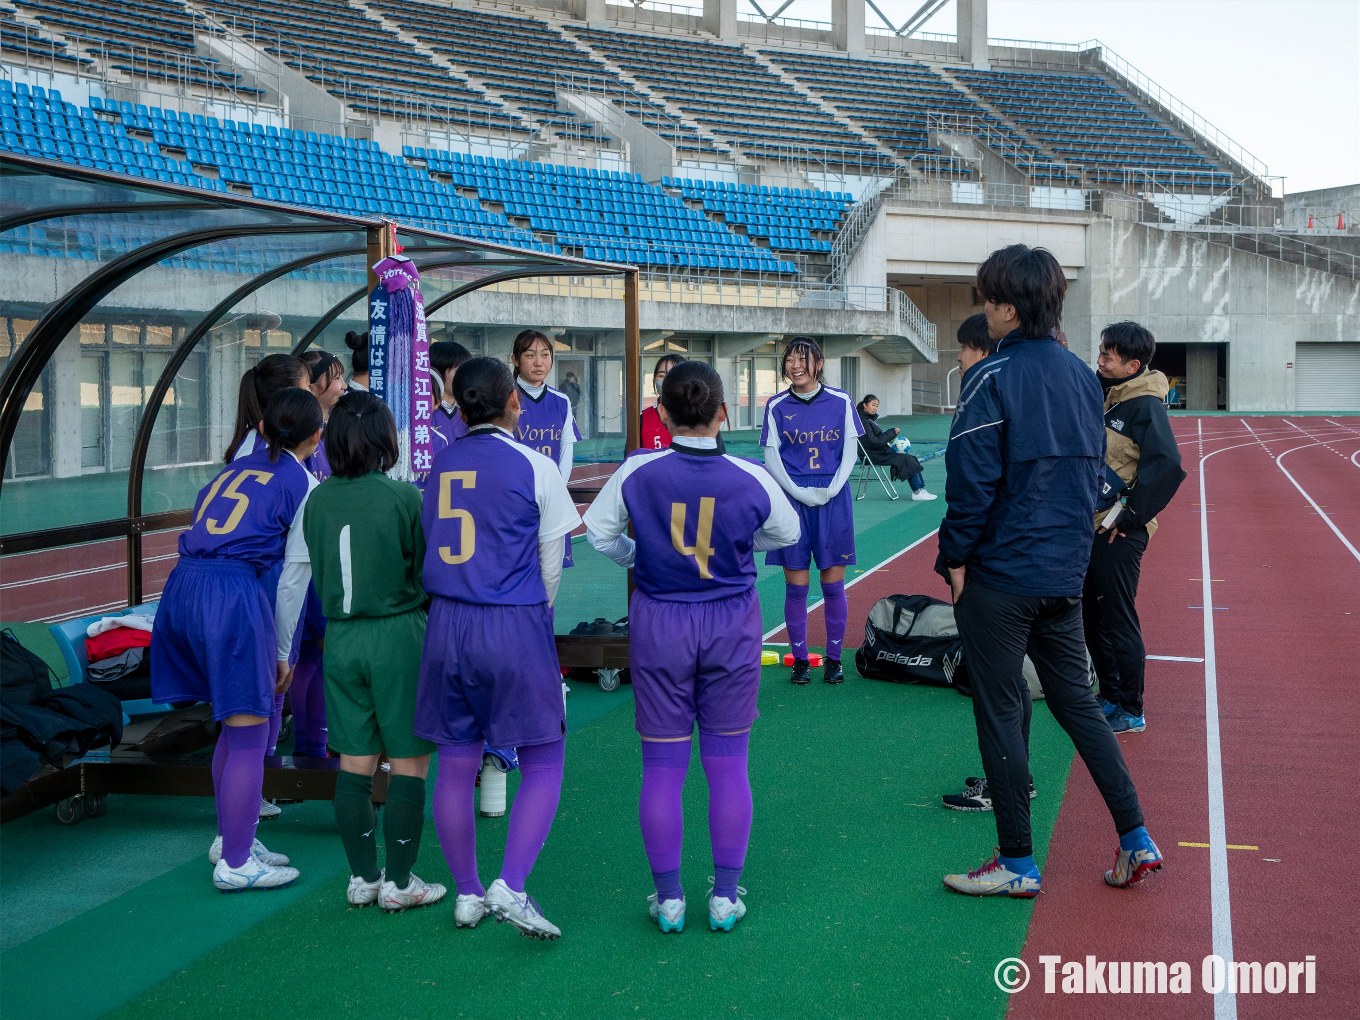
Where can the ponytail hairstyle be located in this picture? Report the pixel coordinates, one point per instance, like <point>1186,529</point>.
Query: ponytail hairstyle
<point>445,355</point>
<point>361,436</point>
<point>322,365</point>
<point>692,393</point>
<point>272,374</point>
<point>358,345</point>
<point>523,342</point>
<point>482,389</point>
<point>291,417</point>
<point>807,348</point>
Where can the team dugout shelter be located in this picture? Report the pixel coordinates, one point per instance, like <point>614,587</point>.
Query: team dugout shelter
<point>130,309</point>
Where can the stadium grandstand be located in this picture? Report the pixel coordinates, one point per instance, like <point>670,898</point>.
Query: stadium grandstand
<point>189,186</point>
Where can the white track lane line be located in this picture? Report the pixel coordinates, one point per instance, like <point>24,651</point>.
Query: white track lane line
<point>1279,463</point>
<point>850,584</point>
<point>1220,907</point>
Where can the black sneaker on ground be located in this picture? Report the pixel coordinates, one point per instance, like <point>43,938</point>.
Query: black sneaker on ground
<point>802,672</point>
<point>975,796</point>
<point>833,674</point>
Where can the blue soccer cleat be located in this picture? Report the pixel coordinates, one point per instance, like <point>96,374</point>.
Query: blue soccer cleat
<point>669,915</point>
<point>723,914</point>
<point>1133,865</point>
<point>996,879</point>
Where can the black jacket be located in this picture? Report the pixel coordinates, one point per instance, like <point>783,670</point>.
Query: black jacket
<point>1141,449</point>
<point>875,439</point>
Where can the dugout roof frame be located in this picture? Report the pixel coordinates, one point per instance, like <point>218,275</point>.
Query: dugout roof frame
<point>38,191</point>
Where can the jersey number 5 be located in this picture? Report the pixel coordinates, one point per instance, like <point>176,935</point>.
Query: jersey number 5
<point>702,548</point>
<point>467,536</point>
<point>241,499</point>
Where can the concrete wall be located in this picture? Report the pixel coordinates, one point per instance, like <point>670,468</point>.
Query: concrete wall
<point>953,241</point>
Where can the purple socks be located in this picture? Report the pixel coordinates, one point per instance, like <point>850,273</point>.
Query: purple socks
<point>238,784</point>
<point>660,813</point>
<point>307,696</point>
<point>795,617</point>
<point>836,611</point>
<point>455,818</point>
<point>531,815</point>
<point>535,807</point>
<point>275,720</point>
<point>729,806</point>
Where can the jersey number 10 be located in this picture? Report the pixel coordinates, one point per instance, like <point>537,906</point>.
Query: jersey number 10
<point>702,548</point>
<point>467,535</point>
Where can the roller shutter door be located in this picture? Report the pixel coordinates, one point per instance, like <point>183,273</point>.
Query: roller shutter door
<point>1327,377</point>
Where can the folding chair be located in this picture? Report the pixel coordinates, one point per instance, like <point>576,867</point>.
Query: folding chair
<point>883,475</point>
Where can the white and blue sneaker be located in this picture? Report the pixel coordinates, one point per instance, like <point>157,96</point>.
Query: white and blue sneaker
<point>1107,708</point>
<point>520,910</point>
<point>1135,864</point>
<point>668,914</point>
<point>723,914</point>
<point>253,874</point>
<point>257,849</point>
<point>1122,721</point>
<point>995,879</point>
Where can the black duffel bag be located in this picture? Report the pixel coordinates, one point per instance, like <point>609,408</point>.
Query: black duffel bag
<point>912,639</point>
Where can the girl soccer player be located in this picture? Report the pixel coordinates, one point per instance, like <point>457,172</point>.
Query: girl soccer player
<point>271,374</point>
<point>809,436</point>
<point>358,360</point>
<point>694,627</point>
<point>654,434</point>
<point>445,358</point>
<point>495,514</point>
<point>307,693</point>
<point>367,547</point>
<point>546,423</point>
<point>221,638</point>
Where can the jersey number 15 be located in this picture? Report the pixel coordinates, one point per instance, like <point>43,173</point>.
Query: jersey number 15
<point>240,499</point>
<point>467,533</point>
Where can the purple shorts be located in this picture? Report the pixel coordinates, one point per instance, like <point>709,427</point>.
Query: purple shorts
<point>694,662</point>
<point>827,535</point>
<point>489,673</point>
<point>214,639</point>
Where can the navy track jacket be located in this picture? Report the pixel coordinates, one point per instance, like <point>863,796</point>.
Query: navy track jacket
<point>1025,458</point>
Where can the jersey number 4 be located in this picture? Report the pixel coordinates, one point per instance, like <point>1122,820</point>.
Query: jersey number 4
<point>241,500</point>
<point>467,533</point>
<point>702,548</point>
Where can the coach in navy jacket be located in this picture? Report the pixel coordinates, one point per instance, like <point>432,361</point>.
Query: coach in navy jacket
<point>1025,458</point>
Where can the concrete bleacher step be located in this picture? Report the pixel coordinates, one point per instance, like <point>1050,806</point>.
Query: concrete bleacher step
<point>1000,115</point>
<point>72,50</point>
<point>826,107</point>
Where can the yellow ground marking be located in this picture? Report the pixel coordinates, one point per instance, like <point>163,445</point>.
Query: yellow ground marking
<point>1231,846</point>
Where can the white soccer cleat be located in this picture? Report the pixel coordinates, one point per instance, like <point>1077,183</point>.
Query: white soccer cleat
<point>253,874</point>
<point>257,850</point>
<point>418,893</point>
<point>923,496</point>
<point>995,879</point>
<point>468,910</point>
<point>723,914</point>
<point>669,915</point>
<point>268,810</point>
<point>520,910</point>
<point>361,893</point>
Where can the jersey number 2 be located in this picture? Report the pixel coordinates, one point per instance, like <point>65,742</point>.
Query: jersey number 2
<point>467,534</point>
<point>702,548</point>
<point>240,498</point>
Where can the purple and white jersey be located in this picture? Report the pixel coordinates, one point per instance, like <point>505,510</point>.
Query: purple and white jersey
<point>810,442</point>
<point>698,515</point>
<point>449,422</point>
<point>547,425</point>
<point>318,463</point>
<point>251,442</point>
<point>489,503</point>
<point>252,512</point>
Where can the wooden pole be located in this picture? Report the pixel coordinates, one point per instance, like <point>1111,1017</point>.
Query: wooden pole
<point>632,361</point>
<point>381,244</point>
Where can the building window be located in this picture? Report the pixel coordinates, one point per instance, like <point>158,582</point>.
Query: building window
<point>31,452</point>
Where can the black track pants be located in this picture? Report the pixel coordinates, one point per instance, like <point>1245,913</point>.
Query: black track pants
<point>998,630</point>
<point>1113,633</point>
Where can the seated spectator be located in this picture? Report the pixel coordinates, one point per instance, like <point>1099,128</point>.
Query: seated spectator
<point>877,445</point>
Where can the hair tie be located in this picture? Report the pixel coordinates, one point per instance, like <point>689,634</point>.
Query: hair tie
<point>283,433</point>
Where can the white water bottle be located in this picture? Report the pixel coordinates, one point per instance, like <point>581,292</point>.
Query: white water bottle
<point>492,802</point>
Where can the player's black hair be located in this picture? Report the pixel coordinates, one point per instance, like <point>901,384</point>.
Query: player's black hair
<point>444,355</point>
<point>291,417</point>
<point>691,394</point>
<point>810,350</point>
<point>1130,340</point>
<point>526,339</point>
<point>973,333</point>
<point>1031,280</point>
<point>482,389</point>
<point>358,346</point>
<point>361,436</point>
<point>273,373</point>
<point>669,360</point>
<point>864,403</point>
<point>322,365</point>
